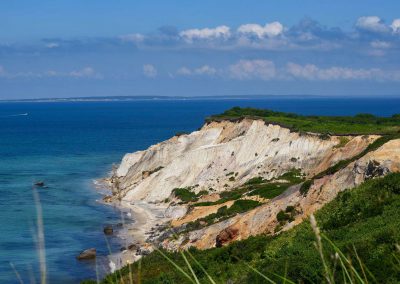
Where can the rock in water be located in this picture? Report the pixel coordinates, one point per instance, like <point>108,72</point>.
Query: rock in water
<point>108,230</point>
<point>39,183</point>
<point>87,254</point>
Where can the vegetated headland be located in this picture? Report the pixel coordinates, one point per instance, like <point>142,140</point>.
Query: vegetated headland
<point>231,201</point>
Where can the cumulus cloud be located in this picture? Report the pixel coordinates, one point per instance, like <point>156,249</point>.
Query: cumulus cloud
<point>395,26</point>
<point>252,69</point>
<point>372,24</point>
<point>269,30</point>
<point>149,71</point>
<point>203,70</point>
<point>220,32</point>
<point>313,72</point>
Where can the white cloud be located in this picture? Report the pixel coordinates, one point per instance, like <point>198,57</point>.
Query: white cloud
<point>252,69</point>
<point>372,24</point>
<point>395,26</point>
<point>135,38</point>
<point>87,72</point>
<point>52,45</point>
<point>220,32</point>
<point>380,44</point>
<point>184,71</point>
<point>203,70</point>
<point>149,71</point>
<point>269,30</point>
<point>313,72</point>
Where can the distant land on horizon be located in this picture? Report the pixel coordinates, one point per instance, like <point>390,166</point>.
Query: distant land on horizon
<point>133,98</point>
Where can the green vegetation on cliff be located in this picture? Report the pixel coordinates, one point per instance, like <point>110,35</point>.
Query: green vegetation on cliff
<point>340,125</point>
<point>362,223</point>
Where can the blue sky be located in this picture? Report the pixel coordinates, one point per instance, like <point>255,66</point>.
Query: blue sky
<point>105,48</point>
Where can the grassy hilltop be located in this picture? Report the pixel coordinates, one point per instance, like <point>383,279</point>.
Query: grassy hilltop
<point>359,124</point>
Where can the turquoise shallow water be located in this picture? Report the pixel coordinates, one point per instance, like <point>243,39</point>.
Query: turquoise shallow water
<point>68,145</point>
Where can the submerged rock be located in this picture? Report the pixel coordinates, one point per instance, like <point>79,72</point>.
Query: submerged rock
<point>87,254</point>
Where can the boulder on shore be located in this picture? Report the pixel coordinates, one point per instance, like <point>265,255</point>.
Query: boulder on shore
<point>133,247</point>
<point>87,254</point>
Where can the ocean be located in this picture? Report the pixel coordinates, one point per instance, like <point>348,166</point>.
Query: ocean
<point>68,145</point>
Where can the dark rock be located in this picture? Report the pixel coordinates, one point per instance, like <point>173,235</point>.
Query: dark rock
<point>39,183</point>
<point>374,169</point>
<point>87,254</point>
<point>143,251</point>
<point>225,236</point>
<point>108,230</point>
<point>132,247</point>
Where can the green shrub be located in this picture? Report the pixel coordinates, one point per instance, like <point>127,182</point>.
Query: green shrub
<point>255,180</point>
<point>281,216</point>
<point>184,194</point>
<point>305,187</point>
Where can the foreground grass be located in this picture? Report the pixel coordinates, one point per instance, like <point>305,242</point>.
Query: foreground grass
<point>340,125</point>
<point>357,242</point>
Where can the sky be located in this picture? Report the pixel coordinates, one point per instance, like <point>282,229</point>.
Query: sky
<point>75,48</point>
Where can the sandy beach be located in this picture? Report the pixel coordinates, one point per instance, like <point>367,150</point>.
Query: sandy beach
<point>146,219</point>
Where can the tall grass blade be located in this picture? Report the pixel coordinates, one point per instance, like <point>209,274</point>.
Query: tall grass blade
<point>176,266</point>
<point>40,237</point>
<point>130,274</point>
<point>32,279</point>
<point>259,273</point>
<point>16,273</point>
<point>314,226</point>
<point>360,264</point>
<point>110,252</point>
<point>190,268</point>
<point>343,257</point>
<point>139,278</point>
<point>97,271</point>
<point>201,267</point>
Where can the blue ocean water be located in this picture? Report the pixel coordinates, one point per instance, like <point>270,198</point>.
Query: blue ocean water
<point>70,144</point>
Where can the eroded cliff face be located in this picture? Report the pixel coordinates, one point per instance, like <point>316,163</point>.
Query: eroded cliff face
<point>203,158</point>
<point>248,148</point>
<point>264,218</point>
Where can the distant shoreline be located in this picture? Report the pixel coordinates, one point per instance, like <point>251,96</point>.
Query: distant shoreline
<point>183,98</point>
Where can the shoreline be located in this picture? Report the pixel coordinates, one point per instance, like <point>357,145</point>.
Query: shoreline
<point>140,221</point>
